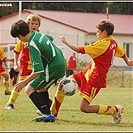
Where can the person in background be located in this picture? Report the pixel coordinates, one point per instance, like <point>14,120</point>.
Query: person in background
<point>71,65</point>
<point>93,78</point>
<point>3,72</point>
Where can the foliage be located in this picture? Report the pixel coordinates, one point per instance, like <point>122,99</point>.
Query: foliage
<point>94,7</point>
<point>6,10</point>
<point>81,64</point>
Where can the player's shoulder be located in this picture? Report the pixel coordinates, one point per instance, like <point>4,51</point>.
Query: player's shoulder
<point>20,42</point>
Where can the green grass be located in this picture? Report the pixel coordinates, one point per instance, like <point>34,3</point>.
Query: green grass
<point>70,117</point>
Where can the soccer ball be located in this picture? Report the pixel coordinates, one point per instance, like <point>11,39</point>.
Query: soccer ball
<point>68,86</point>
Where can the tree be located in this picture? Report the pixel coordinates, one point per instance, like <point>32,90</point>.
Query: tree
<point>8,8</point>
<point>94,7</point>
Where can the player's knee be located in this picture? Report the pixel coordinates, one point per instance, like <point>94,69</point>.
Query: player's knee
<point>6,77</point>
<point>29,90</point>
<point>83,109</point>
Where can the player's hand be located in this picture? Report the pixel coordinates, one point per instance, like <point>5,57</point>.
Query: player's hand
<point>16,68</point>
<point>62,39</point>
<point>19,86</point>
<point>130,63</point>
<point>12,60</point>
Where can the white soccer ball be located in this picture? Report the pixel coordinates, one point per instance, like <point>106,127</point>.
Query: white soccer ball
<point>68,86</point>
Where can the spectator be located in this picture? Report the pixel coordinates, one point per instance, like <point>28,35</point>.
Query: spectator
<point>71,65</point>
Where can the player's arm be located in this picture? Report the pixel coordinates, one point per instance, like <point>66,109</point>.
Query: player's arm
<point>19,86</point>
<point>37,69</point>
<point>5,64</point>
<point>120,52</point>
<point>16,66</point>
<point>128,62</point>
<point>70,45</point>
<point>18,48</point>
<point>3,57</point>
<point>12,60</point>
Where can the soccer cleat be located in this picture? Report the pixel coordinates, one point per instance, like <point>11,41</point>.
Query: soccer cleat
<point>45,118</point>
<point>7,93</point>
<point>10,107</point>
<point>117,116</point>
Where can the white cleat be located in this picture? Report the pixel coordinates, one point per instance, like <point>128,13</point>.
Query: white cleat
<point>117,116</point>
<point>10,107</point>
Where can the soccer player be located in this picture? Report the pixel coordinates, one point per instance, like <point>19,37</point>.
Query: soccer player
<point>71,65</point>
<point>25,66</point>
<point>93,77</point>
<point>3,71</point>
<point>48,65</point>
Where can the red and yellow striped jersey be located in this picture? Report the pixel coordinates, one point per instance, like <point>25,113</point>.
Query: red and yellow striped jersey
<point>25,60</point>
<point>102,52</point>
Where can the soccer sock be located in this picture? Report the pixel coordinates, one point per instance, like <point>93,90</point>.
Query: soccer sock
<point>39,102</point>
<point>6,85</point>
<point>107,110</point>
<point>58,99</point>
<point>45,96</point>
<point>14,95</point>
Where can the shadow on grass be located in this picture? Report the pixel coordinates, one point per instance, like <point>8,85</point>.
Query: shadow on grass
<point>96,124</point>
<point>74,118</point>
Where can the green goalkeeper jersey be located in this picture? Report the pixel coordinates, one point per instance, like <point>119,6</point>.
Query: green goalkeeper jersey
<point>46,57</point>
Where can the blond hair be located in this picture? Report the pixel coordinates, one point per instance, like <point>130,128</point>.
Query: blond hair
<point>33,17</point>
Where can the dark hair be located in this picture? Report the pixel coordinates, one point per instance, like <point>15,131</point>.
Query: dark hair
<point>105,24</point>
<point>19,28</point>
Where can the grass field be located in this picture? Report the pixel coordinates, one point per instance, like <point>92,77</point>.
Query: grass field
<point>70,117</point>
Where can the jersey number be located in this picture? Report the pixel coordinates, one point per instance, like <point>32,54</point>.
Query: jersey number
<point>53,50</point>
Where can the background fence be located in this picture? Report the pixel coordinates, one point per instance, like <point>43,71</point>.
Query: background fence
<point>115,77</point>
<point>120,77</point>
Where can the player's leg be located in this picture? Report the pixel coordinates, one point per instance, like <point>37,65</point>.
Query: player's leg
<point>57,101</point>
<point>59,96</point>
<point>14,95</point>
<point>45,96</point>
<point>40,96</point>
<point>39,112</point>
<point>41,102</point>
<point>6,80</point>
<point>113,110</point>
<point>6,83</point>
<point>15,77</point>
<point>99,109</point>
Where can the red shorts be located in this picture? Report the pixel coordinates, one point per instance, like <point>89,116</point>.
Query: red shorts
<point>88,89</point>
